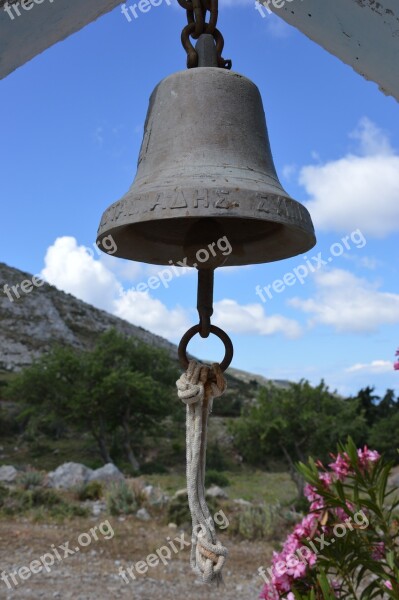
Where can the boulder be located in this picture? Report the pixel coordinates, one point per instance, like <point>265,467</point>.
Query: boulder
<point>242,502</point>
<point>216,492</point>
<point>8,474</point>
<point>393,481</point>
<point>155,496</point>
<point>180,493</point>
<point>98,507</point>
<point>109,473</point>
<point>69,475</point>
<point>143,514</point>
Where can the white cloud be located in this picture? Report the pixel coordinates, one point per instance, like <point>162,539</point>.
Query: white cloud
<point>251,319</point>
<point>364,262</point>
<point>359,190</point>
<point>142,310</point>
<point>376,366</point>
<point>77,270</point>
<point>72,268</point>
<point>289,170</point>
<point>348,303</point>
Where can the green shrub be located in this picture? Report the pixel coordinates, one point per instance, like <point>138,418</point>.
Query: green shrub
<point>31,479</point>
<point>44,497</point>
<point>90,491</point>
<point>3,493</point>
<point>153,468</point>
<point>40,503</point>
<point>215,478</point>
<point>39,449</point>
<point>350,533</point>
<point>179,511</point>
<point>216,458</point>
<point>255,523</point>
<point>121,499</point>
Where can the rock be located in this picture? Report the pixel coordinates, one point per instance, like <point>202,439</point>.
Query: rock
<point>216,492</point>
<point>242,502</point>
<point>172,526</point>
<point>107,474</point>
<point>393,481</point>
<point>143,514</point>
<point>69,475</point>
<point>179,493</point>
<point>98,507</point>
<point>155,496</point>
<point>8,474</point>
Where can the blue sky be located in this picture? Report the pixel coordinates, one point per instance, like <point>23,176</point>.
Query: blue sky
<point>71,131</point>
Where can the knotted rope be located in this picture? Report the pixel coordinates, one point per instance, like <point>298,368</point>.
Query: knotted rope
<point>197,388</point>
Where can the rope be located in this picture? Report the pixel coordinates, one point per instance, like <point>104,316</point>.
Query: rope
<point>197,388</point>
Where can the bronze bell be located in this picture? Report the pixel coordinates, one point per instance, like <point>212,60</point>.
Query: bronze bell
<point>206,155</point>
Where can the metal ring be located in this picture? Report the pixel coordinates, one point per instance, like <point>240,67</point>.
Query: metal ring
<point>222,335</point>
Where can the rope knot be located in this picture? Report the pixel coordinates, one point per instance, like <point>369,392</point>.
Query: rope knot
<point>200,381</point>
<point>210,559</point>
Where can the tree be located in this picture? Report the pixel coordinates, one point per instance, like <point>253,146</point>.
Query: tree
<point>367,404</point>
<point>385,436</point>
<point>388,406</point>
<point>121,385</point>
<point>294,423</point>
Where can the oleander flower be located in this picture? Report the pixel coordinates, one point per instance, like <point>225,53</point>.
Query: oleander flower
<point>378,551</point>
<point>367,456</point>
<point>341,466</point>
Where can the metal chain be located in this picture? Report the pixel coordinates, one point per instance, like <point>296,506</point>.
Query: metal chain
<point>197,25</point>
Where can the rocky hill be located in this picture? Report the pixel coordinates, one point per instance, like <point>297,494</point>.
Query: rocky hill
<point>33,323</point>
<point>30,325</point>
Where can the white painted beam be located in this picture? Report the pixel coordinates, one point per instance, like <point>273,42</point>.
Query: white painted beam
<point>362,33</point>
<point>42,25</point>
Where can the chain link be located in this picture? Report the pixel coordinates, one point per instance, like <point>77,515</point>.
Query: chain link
<point>197,25</point>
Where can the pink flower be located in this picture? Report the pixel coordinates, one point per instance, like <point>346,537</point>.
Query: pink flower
<point>341,466</point>
<point>396,366</point>
<point>388,584</point>
<point>305,527</point>
<point>310,493</point>
<point>367,456</point>
<point>298,570</point>
<point>378,552</point>
<point>325,478</point>
<point>269,592</point>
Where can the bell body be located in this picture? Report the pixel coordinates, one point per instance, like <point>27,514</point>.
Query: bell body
<point>206,155</point>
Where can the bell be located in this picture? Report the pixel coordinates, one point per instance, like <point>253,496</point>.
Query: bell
<point>205,164</point>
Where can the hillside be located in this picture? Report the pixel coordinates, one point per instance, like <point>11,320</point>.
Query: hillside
<point>30,325</point>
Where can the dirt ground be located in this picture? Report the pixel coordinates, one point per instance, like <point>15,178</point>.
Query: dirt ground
<point>92,573</point>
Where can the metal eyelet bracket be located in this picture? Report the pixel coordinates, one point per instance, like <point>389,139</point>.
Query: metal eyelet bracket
<point>222,335</point>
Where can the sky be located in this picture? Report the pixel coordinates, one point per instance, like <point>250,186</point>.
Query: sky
<point>70,135</point>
